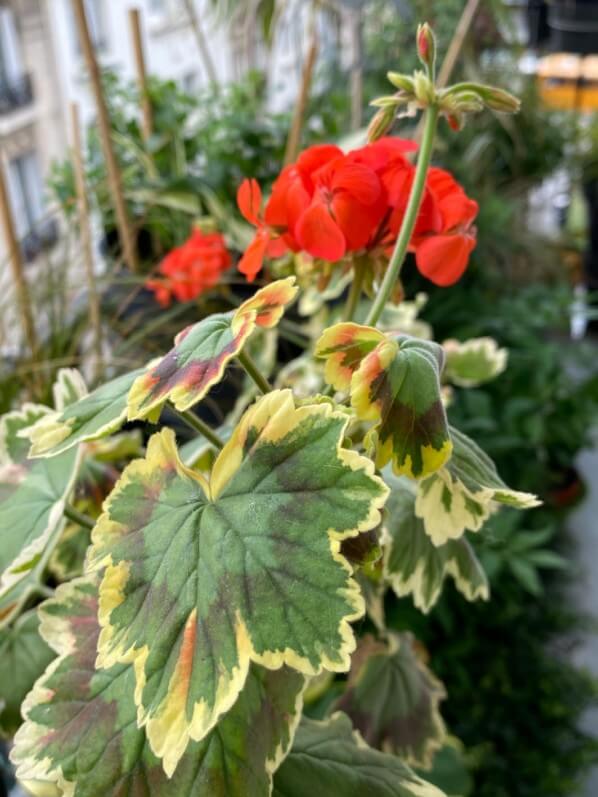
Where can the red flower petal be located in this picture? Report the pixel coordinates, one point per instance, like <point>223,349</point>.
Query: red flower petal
<point>358,222</point>
<point>319,235</point>
<point>249,200</point>
<point>313,158</point>
<point>443,258</point>
<point>251,262</point>
<point>359,181</point>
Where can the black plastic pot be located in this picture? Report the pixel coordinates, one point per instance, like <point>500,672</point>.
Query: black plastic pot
<point>573,26</point>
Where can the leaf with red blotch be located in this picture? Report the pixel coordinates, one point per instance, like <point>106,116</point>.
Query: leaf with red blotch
<point>201,352</point>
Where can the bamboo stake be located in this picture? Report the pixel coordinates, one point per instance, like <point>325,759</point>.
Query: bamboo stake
<point>17,268</point>
<point>201,42</point>
<point>125,231</point>
<point>86,237</point>
<point>294,139</point>
<point>356,69</point>
<point>147,115</point>
<point>456,45</point>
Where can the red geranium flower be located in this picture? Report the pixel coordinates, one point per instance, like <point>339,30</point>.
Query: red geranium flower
<point>191,269</point>
<point>442,256</point>
<point>330,205</point>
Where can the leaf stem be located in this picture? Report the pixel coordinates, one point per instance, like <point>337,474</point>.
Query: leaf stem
<point>254,372</point>
<point>73,514</point>
<point>415,199</point>
<point>354,292</point>
<point>192,420</point>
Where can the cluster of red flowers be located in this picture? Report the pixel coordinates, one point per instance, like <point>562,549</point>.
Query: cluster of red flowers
<point>191,269</point>
<point>329,204</point>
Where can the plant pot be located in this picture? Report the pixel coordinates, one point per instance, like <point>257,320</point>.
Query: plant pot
<point>568,489</point>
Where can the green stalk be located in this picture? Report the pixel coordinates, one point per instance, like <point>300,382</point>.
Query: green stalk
<point>354,292</point>
<point>408,225</point>
<point>73,514</point>
<point>199,426</point>
<point>254,372</point>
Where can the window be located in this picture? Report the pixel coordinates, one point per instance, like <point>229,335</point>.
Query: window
<point>26,191</point>
<point>11,62</point>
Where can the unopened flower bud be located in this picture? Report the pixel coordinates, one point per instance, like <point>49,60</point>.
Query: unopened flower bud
<point>455,121</point>
<point>386,102</point>
<point>403,82</point>
<point>426,46</point>
<point>424,90</point>
<point>381,123</point>
<point>500,100</point>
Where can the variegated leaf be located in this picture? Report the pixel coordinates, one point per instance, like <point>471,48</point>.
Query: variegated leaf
<point>329,759</point>
<point>201,352</point>
<point>81,733</point>
<point>393,699</point>
<point>398,386</point>
<point>462,495</point>
<point>344,346</point>
<point>204,577</point>
<point>23,657</point>
<point>413,565</point>
<point>13,447</point>
<point>68,388</point>
<point>31,516</point>
<point>96,415</point>
<point>474,361</point>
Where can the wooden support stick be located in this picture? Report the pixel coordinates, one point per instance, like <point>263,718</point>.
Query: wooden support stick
<point>201,42</point>
<point>125,231</point>
<point>294,139</point>
<point>18,272</point>
<point>86,237</point>
<point>456,45</point>
<point>356,69</point>
<point>146,104</point>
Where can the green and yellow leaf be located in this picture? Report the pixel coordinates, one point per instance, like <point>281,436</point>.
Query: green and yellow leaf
<point>398,386</point>
<point>344,346</point>
<point>330,758</point>
<point>474,361</point>
<point>414,566</point>
<point>462,495</point>
<point>96,415</point>
<point>203,577</point>
<point>201,352</point>
<point>14,449</point>
<point>393,698</point>
<point>80,730</point>
<point>68,388</point>
<point>23,658</point>
<point>31,516</point>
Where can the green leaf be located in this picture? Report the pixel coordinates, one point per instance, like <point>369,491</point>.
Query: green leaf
<point>328,758</point>
<point>23,657</point>
<point>201,352</point>
<point>398,386</point>
<point>464,493</point>
<point>393,699</point>
<point>204,577</point>
<point>96,415</point>
<point>31,517</point>
<point>13,448</point>
<point>68,388</point>
<point>415,566</point>
<point>473,362</point>
<point>81,732</point>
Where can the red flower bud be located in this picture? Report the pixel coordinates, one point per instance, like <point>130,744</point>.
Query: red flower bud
<point>426,46</point>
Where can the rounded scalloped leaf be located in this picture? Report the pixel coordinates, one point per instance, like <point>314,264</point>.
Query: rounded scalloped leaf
<point>474,361</point>
<point>14,449</point>
<point>80,731</point>
<point>204,577</point>
<point>330,758</point>
<point>344,346</point>
<point>397,385</point>
<point>413,565</point>
<point>393,699</point>
<point>68,388</point>
<point>201,352</point>
<point>96,415</point>
<point>462,495</point>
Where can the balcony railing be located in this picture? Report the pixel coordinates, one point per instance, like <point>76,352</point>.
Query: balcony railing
<point>44,236</point>
<point>15,94</point>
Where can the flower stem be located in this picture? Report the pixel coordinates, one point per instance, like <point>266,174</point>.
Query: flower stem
<point>254,372</point>
<point>410,218</point>
<point>200,426</point>
<point>354,292</point>
<point>73,514</point>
